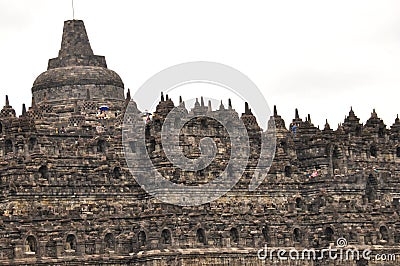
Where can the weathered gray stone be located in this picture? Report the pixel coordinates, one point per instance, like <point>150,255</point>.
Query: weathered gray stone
<point>67,196</point>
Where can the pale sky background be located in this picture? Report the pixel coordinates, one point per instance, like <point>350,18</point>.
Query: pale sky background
<point>319,56</point>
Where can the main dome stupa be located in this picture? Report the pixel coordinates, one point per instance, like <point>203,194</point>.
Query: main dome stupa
<point>77,72</point>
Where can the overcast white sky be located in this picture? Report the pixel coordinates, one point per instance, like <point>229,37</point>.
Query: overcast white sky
<point>319,56</point>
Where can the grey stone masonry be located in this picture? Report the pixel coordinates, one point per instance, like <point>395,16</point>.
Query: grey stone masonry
<point>75,48</point>
<point>67,196</point>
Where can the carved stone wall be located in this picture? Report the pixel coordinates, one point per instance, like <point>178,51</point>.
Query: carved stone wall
<point>67,195</point>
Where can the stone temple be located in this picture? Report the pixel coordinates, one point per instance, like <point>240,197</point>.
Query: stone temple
<point>67,196</point>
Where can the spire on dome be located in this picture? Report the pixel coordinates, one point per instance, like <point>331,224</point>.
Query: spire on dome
<point>75,48</point>
<point>75,40</point>
<point>7,110</point>
<point>23,109</point>
<point>351,113</point>
<point>209,109</point>
<point>276,119</point>
<point>396,126</point>
<point>351,122</point>
<point>327,126</point>
<point>197,104</point>
<point>374,114</point>
<point>221,106</point>
<point>247,110</point>
<point>340,128</point>
<point>296,114</point>
<point>33,103</point>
